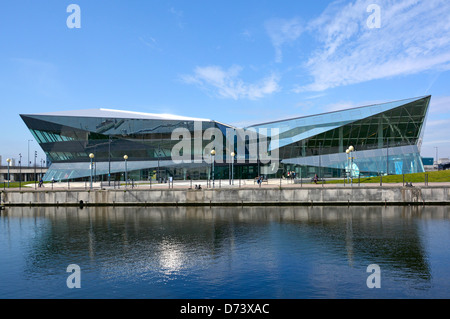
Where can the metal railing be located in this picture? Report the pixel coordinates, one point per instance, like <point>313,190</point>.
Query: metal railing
<point>298,181</point>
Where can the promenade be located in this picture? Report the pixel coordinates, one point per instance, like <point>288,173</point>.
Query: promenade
<point>217,184</point>
<point>221,193</point>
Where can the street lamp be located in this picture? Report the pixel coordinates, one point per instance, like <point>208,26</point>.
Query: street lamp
<point>20,170</point>
<point>233,154</point>
<point>29,162</point>
<point>35,174</point>
<point>125,157</point>
<point>109,160</point>
<point>9,163</point>
<point>348,165</point>
<point>350,160</point>
<point>91,156</point>
<point>213,153</point>
<point>437,163</point>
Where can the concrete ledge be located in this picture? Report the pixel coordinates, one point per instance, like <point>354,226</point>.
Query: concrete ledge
<point>305,196</point>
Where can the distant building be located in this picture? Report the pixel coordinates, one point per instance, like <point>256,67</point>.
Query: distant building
<point>427,160</point>
<point>428,164</point>
<point>386,139</point>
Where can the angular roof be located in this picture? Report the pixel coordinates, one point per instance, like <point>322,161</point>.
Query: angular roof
<point>109,113</point>
<point>308,126</point>
<point>351,114</point>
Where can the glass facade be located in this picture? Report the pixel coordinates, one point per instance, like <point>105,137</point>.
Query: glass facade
<point>386,137</point>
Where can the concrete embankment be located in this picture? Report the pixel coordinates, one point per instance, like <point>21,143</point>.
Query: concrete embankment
<point>304,196</point>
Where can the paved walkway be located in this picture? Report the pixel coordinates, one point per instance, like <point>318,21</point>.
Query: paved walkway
<point>218,184</point>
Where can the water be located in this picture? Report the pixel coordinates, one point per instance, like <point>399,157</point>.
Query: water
<point>233,252</point>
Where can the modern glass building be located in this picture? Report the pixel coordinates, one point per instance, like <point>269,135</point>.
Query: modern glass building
<point>386,139</point>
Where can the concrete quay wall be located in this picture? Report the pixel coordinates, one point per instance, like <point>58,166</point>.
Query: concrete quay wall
<point>232,196</point>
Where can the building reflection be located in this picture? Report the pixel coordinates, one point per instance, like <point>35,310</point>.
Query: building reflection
<point>133,242</point>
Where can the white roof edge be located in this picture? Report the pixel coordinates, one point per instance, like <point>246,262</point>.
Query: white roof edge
<point>103,112</point>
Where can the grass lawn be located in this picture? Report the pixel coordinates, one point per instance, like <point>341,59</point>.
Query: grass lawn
<point>17,184</point>
<point>433,177</point>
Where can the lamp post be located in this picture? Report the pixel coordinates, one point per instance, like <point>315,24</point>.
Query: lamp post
<point>233,154</point>
<point>350,160</point>
<point>347,151</point>
<point>35,174</point>
<point>213,153</point>
<point>9,163</point>
<point>29,162</point>
<point>20,170</point>
<point>91,156</point>
<point>436,162</point>
<point>109,160</point>
<point>125,157</point>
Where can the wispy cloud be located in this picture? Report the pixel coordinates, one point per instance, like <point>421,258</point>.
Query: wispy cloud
<point>414,37</point>
<point>440,105</point>
<point>38,77</point>
<point>281,32</point>
<point>227,84</point>
<point>437,127</point>
<point>149,42</point>
<point>178,14</point>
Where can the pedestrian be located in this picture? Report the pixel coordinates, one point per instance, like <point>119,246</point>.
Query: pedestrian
<point>316,178</point>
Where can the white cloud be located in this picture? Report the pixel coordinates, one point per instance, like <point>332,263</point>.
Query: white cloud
<point>282,31</point>
<point>414,37</point>
<point>437,128</point>
<point>226,83</point>
<point>440,105</point>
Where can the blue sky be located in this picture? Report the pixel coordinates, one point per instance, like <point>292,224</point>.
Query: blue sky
<point>237,62</point>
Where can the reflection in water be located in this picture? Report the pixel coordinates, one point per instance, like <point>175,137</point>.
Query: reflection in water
<point>197,252</point>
